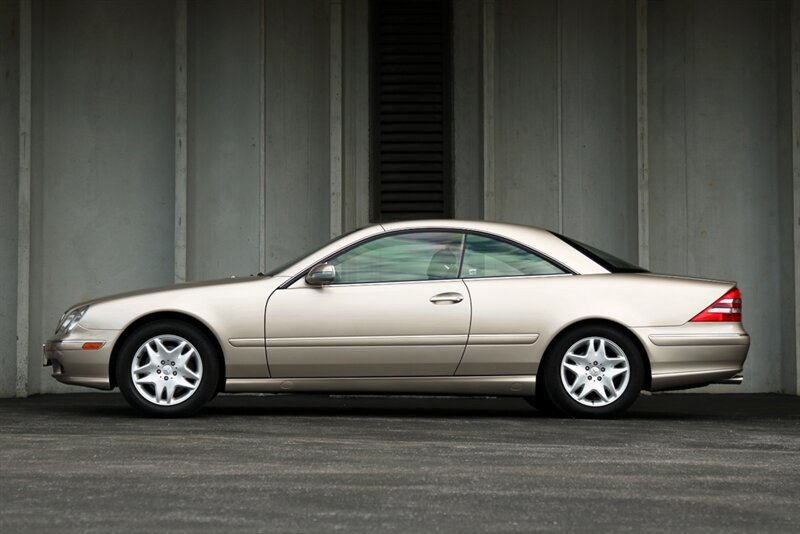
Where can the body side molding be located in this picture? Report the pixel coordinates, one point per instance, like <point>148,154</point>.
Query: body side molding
<point>434,385</point>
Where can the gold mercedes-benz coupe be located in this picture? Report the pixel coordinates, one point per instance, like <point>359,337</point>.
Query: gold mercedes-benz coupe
<point>425,307</point>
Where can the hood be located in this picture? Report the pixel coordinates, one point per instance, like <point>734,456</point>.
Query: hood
<point>206,301</point>
<point>185,286</point>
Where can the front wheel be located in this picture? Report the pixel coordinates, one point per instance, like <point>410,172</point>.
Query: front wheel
<point>167,369</point>
<point>593,371</point>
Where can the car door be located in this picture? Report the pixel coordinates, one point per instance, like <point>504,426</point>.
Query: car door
<point>396,308</point>
<point>506,284</point>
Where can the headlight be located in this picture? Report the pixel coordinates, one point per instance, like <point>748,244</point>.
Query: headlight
<point>70,319</point>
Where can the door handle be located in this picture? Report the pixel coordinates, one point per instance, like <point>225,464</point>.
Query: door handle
<point>447,298</point>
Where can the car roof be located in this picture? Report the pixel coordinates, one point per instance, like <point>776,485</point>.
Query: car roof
<point>492,227</point>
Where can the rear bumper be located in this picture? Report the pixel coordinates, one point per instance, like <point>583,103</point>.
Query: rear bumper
<point>695,354</point>
<point>76,365</point>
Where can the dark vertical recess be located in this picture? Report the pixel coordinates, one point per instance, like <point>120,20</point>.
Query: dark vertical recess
<point>411,109</point>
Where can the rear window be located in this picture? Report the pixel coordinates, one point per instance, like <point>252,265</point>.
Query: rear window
<point>604,259</point>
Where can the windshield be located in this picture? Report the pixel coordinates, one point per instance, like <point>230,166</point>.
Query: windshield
<point>285,265</point>
<point>607,261</point>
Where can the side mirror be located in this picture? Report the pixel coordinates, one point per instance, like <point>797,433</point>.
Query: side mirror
<point>321,274</point>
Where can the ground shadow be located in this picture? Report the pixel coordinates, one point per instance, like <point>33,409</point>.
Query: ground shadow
<point>652,407</point>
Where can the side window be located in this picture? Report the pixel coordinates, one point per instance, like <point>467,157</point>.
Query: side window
<point>401,258</point>
<point>487,257</point>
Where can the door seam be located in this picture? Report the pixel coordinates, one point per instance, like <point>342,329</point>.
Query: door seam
<point>469,329</point>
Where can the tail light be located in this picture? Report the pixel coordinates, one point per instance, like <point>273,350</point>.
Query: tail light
<point>727,308</point>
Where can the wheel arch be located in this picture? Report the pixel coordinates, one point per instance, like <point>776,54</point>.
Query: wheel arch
<point>622,329</point>
<point>162,316</point>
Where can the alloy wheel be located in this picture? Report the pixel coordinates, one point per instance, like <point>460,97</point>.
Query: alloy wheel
<point>166,370</point>
<point>595,371</point>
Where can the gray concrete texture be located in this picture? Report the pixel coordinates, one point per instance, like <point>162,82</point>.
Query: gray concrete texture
<point>297,147</point>
<point>224,136</point>
<point>102,182</point>
<point>674,463</point>
<point>9,150</point>
<point>717,62</point>
<point>103,146</point>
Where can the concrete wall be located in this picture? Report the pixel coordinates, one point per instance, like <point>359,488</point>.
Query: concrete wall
<point>224,176</point>
<point>9,151</point>
<point>788,147</point>
<point>526,134</point>
<point>715,180</point>
<point>103,157</point>
<point>467,112</point>
<point>297,115</point>
<point>227,51</point>
<point>598,124</point>
<point>355,114</point>
<point>565,139</point>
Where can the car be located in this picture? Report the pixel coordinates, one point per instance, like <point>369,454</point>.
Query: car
<point>436,307</point>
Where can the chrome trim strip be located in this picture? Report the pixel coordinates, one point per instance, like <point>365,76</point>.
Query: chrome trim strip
<point>247,342</point>
<point>387,341</point>
<point>446,385</point>
<point>695,340</point>
<point>368,341</point>
<point>502,339</point>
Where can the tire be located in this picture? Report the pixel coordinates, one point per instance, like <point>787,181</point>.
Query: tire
<point>189,359</point>
<point>611,383</point>
<point>541,401</point>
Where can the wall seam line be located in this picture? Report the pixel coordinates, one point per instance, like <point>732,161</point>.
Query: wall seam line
<point>262,143</point>
<point>181,119</point>
<point>335,126</point>
<point>643,170</point>
<point>560,115</point>
<point>24,198</point>
<point>489,202</point>
<point>795,103</point>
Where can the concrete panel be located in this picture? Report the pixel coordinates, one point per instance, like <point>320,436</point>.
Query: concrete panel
<point>789,218</point>
<point>103,159</point>
<point>667,139</point>
<point>598,106</point>
<point>181,137</point>
<point>355,42</point>
<point>467,123</point>
<point>9,154</point>
<point>224,137</point>
<point>714,167</point>
<point>794,90</point>
<point>526,113</point>
<point>297,128</point>
<point>335,117</point>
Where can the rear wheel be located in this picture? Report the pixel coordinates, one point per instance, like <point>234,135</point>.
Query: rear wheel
<point>593,371</point>
<point>167,369</point>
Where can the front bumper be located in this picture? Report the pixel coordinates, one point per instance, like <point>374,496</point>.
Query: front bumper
<point>76,358</point>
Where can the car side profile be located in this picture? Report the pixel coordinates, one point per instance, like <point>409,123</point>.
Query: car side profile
<point>423,307</point>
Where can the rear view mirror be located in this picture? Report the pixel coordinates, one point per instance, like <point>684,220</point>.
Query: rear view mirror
<point>321,274</point>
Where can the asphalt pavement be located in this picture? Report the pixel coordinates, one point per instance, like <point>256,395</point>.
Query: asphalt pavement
<point>675,463</point>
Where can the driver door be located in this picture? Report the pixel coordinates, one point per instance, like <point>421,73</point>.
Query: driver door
<point>395,308</point>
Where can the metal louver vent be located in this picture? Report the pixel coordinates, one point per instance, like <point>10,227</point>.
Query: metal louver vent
<point>411,109</point>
